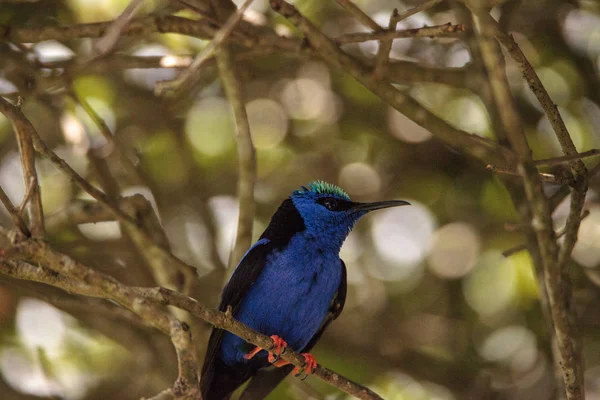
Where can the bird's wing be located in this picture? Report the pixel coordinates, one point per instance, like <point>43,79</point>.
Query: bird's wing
<point>267,379</point>
<point>242,278</point>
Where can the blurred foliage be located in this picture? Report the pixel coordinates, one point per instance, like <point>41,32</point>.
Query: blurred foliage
<point>434,311</point>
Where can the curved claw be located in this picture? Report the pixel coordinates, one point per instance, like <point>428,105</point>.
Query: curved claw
<point>280,346</point>
<point>310,364</point>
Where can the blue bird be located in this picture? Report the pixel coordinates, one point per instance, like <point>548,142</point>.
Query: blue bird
<point>290,284</point>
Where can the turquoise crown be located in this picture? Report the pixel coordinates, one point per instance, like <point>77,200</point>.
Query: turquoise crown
<point>322,187</point>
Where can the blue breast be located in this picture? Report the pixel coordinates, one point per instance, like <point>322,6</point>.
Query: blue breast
<point>290,298</point>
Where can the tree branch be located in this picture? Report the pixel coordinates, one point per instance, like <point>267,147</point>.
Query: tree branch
<point>444,30</point>
<point>540,92</point>
<point>422,7</point>
<point>152,250</point>
<point>219,37</point>
<point>556,282</point>
<point>14,214</point>
<point>61,271</point>
<point>75,277</point>
<point>473,145</point>
<point>138,26</point>
<point>383,54</point>
<point>246,156</point>
<point>23,131</point>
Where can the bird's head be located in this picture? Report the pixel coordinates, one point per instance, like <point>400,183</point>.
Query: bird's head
<point>327,210</point>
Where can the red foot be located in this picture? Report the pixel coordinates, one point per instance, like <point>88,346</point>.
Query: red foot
<point>309,366</point>
<point>278,343</point>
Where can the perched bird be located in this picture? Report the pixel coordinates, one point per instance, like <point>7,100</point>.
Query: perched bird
<point>290,285</point>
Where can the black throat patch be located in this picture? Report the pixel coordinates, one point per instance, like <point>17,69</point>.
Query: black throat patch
<point>285,223</point>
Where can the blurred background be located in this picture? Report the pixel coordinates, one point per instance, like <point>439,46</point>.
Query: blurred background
<point>434,310</point>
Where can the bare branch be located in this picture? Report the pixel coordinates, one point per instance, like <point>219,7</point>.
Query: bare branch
<point>383,54</point>
<point>563,159</point>
<point>220,36</point>
<point>139,26</point>
<point>425,6</point>
<point>543,176</point>
<point>246,155</point>
<point>106,43</point>
<point>76,277</point>
<point>473,145</point>
<point>360,15</point>
<point>24,132</point>
<point>556,282</point>
<point>521,247</point>
<point>157,253</point>
<point>14,214</point>
<point>427,31</point>
<point>540,92</point>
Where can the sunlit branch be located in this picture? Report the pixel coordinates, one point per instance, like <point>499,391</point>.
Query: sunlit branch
<point>108,41</point>
<point>550,178</point>
<point>23,131</point>
<point>219,37</point>
<point>568,158</point>
<point>428,31</point>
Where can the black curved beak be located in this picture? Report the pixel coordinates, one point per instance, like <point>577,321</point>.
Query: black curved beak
<point>366,207</point>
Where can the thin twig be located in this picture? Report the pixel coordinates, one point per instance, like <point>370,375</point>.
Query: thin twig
<point>444,30</point>
<point>219,37</point>
<point>24,132</point>
<point>383,54</point>
<point>14,214</point>
<point>27,197</point>
<point>107,134</point>
<point>360,15</point>
<point>425,6</point>
<point>540,92</point>
<point>543,175</point>
<point>106,43</point>
<point>568,158</point>
<point>246,155</point>
<point>559,234</point>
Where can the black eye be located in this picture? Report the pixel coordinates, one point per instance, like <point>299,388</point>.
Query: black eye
<point>331,204</point>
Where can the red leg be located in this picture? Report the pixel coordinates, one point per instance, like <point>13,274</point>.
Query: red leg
<point>309,366</point>
<point>278,343</point>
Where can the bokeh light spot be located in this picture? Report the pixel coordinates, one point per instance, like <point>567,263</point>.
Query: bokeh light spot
<point>513,346</point>
<point>587,249</point>
<point>360,179</point>
<point>454,251</point>
<point>268,122</point>
<point>209,126</point>
<point>403,235</point>
<point>490,288</point>
<point>405,129</point>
